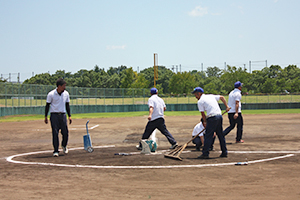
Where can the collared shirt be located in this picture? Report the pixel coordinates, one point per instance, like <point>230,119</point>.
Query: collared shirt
<point>158,105</point>
<point>234,95</point>
<point>197,129</point>
<point>209,103</point>
<point>57,102</point>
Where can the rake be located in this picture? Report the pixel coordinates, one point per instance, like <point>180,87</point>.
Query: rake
<point>175,153</point>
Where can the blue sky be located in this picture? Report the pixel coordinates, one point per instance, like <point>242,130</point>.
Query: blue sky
<point>43,36</point>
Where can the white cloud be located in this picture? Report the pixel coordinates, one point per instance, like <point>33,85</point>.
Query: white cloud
<point>198,11</point>
<point>115,47</point>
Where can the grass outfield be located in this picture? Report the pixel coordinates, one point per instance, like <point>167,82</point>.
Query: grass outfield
<point>14,118</point>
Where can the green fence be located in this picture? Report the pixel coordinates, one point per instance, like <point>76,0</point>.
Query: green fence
<point>31,99</point>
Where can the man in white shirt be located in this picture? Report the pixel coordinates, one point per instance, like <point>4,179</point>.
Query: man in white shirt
<point>235,113</point>
<point>58,101</point>
<point>212,121</point>
<point>156,119</point>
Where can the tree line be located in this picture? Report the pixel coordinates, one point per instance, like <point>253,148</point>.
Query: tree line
<point>273,79</point>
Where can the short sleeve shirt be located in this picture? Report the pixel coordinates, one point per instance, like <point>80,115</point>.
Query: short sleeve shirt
<point>197,129</point>
<point>209,103</point>
<point>234,95</point>
<point>158,105</point>
<point>58,102</point>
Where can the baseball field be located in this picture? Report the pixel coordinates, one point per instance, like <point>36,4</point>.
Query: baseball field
<point>271,150</point>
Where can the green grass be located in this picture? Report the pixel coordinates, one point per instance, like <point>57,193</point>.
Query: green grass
<point>15,118</point>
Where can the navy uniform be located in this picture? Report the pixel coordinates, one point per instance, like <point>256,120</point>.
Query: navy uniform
<point>212,121</point>
<point>235,113</point>
<point>156,119</point>
<point>58,101</point>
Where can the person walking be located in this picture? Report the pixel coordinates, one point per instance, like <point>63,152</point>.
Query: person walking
<point>58,101</point>
<point>156,119</point>
<point>212,121</point>
<point>235,113</point>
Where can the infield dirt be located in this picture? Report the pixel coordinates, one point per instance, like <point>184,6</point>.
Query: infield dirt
<point>276,179</point>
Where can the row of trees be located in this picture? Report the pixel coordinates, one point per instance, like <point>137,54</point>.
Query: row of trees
<point>273,79</point>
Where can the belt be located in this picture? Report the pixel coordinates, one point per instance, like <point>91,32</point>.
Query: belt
<point>58,113</point>
<point>211,115</point>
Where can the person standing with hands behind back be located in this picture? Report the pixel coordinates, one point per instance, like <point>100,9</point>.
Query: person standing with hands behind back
<point>58,101</point>
<point>235,113</point>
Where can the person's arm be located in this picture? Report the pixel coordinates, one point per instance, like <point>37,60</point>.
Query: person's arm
<point>237,104</point>
<point>204,119</point>
<point>150,113</point>
<point>224,102</point>
<point>46,112</point>
<point>69,112</point>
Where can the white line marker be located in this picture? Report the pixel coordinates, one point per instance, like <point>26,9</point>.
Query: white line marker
<point>10,159</point>
<point>94,126</point>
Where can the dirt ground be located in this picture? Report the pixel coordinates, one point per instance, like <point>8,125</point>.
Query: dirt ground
<point>272,135</point>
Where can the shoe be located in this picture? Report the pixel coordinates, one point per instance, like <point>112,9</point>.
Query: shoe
<point>55,154</point>
<point>211,149</point>
<point>203,157</point>
<point>65,150</point>
<point>241,141</point>
<point>138,147</point>
<point>223,156</point>
<point>197,149</point>
<point>174,146</point>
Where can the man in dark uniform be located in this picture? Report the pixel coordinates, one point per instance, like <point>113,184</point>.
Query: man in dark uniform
<point>156,119</point>
<point>212,121</point>
<point>58,101</point>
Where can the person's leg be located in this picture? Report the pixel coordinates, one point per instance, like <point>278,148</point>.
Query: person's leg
<point>240,123</point>
<point>151,125</point>
<point>209,135</point>
<point>197,142</point>
<point>64,130</point>
<point>232,122</point>
<point>219,132</point>
<point>163,129</point>
<point>55,129</point>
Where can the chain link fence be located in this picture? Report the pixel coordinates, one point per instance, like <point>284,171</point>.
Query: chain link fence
<point>15,95</point>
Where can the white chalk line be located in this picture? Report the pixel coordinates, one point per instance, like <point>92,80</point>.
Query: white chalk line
<point>70,128</point>
<point>10,159</point>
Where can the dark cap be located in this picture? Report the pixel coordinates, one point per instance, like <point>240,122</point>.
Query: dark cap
<point>153,91</point>
<point>198,89</point>
<point>238,84</point>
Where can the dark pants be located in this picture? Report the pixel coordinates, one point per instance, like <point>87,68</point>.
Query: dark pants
<point>197,142</point>
<point>233,122</point>
<point>160,125</point>
<point>59,121</point>
<point>214,124</point>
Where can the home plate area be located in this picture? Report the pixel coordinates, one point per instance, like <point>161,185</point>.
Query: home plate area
<point>129,157</point>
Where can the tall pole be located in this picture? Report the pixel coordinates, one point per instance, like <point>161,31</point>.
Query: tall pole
<point>250,66</point>
<point>155,69</point>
